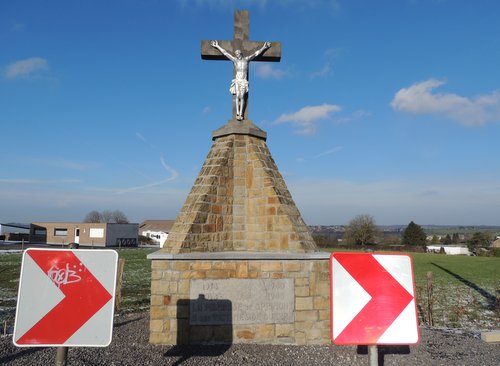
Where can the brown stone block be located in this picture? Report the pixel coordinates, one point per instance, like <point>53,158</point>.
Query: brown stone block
<point>201,265</point>
<point>307,316</point>
<point>172,287</point>
<point>291,266</point>
<point>156,300</point>
<point>271,266</point>
<point>255,193</point>
<point>305,324</point>
<point>303,303</point>
<point>224,265</point>
<point>271,210</point>
<point>239,245</point>
<point>239,235</point>
<point>284,330</point>
<point>216,209</point>
<point>209,228</point>
<point>265,331</point>
<point>160,264</point>
<point>156,275</point>
<point>273,200</point>
<point>302,291</point>
<point>249,176</point>
<point>254,266</point>
<point>253,274</point>
<point>220,274</point>
<point>180,265</point>
<point>242,270</point>
<point>183,287</point>
<point>273,244</point>
<point>321,303</point>
<point>262,220</point>
<point>284,242</point>
<point>160,287</point>
<point>300,339</point>
<point>156,325</point>
<point>277,275</point>
<point>322,289</point>
<point>324,315</point>
<point>318,336</point>
<point>158,312</point>
<point>245,334</point>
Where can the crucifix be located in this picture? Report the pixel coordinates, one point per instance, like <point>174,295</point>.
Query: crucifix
<point>240,51</point>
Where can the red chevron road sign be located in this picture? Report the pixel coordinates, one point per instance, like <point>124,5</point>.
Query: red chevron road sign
<point>372,299</point>
<point>66,298</point>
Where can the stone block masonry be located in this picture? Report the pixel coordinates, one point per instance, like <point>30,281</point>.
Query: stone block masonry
<point>239,202</point>
<point>240,297</point>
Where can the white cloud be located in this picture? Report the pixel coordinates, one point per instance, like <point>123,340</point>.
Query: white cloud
<point>328,152</point>
<point>326,70</point>
<point>173,175</point>
<point>305,119</point>
<point>356,115</point>
<point>420,99</point>
<point>26,68</point>
<point>267,71</point>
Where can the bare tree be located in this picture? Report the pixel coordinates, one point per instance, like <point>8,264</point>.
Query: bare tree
<point>361,230</point>
<point>119,217</point>
<point>93,216</point>
<point>108,216</point>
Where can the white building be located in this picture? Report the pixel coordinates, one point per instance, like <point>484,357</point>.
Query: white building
<point>448,249</point>
<point>157,230</point>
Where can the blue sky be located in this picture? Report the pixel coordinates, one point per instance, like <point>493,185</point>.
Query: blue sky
<point>387,108</point>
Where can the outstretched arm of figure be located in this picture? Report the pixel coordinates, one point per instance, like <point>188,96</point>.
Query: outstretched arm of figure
<point>215,44</point>
<point>259,51</point>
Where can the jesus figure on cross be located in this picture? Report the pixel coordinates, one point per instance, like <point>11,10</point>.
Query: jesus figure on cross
<point>239,85</point>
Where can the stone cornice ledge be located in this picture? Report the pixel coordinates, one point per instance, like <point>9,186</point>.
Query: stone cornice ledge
<point>159,255</point>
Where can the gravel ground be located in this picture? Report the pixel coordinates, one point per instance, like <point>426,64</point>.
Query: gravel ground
<point>130,347</point>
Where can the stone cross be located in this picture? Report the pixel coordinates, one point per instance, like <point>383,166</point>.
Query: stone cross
<point>242,43</point>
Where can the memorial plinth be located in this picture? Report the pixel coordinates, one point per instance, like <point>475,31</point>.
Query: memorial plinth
<point>240,297</point>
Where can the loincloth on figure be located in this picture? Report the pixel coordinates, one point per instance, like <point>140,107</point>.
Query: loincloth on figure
<point>240,84</point>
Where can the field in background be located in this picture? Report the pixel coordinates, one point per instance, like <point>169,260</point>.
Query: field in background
<point>465,290</point>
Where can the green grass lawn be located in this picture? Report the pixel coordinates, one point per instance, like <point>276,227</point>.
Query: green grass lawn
<point>465,289</point>
<point>10,267</point>
<point>136,279</point>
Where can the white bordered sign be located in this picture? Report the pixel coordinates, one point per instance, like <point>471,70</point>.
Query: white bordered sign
<point>66,298</point>
<point>372,299</point>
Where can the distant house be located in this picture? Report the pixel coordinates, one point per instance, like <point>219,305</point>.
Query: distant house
<point>15,232</point>
<point>85,234</point>
<point>157,230</point>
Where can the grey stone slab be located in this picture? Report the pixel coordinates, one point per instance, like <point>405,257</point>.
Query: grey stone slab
<point>241,301</point>
<point>160,255</point>
<point>245,127</point>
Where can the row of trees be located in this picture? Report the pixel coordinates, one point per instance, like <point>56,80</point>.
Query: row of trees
<point>362,230</point>
<point>107,216</point>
